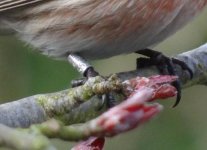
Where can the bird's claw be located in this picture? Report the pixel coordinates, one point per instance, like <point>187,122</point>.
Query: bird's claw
<point>165,65</point>
<point>78,82</point>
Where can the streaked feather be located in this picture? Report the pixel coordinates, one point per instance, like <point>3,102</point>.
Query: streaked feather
<point>6,5</point>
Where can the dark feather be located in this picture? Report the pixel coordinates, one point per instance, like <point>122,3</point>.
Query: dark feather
<point>6,5</point>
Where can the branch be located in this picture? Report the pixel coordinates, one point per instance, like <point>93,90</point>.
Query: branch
<point>81,104</point>
<point>134,111</point>
<point>20,140</point>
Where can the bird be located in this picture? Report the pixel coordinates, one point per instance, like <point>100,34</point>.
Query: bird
<point>82,30</point>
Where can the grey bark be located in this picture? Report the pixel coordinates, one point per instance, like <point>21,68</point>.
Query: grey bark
<point>27,111</point>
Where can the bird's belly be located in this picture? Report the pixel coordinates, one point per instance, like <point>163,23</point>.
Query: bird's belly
<point>155,33</point>
<point>102,29</point>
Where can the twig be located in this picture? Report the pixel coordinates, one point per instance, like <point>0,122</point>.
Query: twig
<point>19,140</point>
<point>83,103</point>
<point>126,116</point>
<point>69,107</point>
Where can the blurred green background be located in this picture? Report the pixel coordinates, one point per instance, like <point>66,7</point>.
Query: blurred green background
<point>24,72</point>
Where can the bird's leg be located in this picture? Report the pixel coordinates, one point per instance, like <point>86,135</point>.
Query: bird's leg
<point>83,67</point>
<point>87,71</point>
<point>164,64</point>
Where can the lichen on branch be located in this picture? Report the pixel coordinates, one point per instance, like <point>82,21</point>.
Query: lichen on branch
<point>82,104</point>
<point>130,113</point>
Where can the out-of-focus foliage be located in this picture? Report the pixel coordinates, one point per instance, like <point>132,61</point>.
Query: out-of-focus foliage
<point>23,72</point>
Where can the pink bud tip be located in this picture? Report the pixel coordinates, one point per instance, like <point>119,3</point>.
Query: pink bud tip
<point>93,143</point>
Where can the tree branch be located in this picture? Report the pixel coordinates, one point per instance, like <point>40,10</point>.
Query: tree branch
<point>80,104</point>
<point>135,110</point>
<point>18,139</point>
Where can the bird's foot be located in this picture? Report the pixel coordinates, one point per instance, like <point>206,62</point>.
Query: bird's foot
<point>88,71</point>
<point>107,99</point>
<point>165,65</point>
